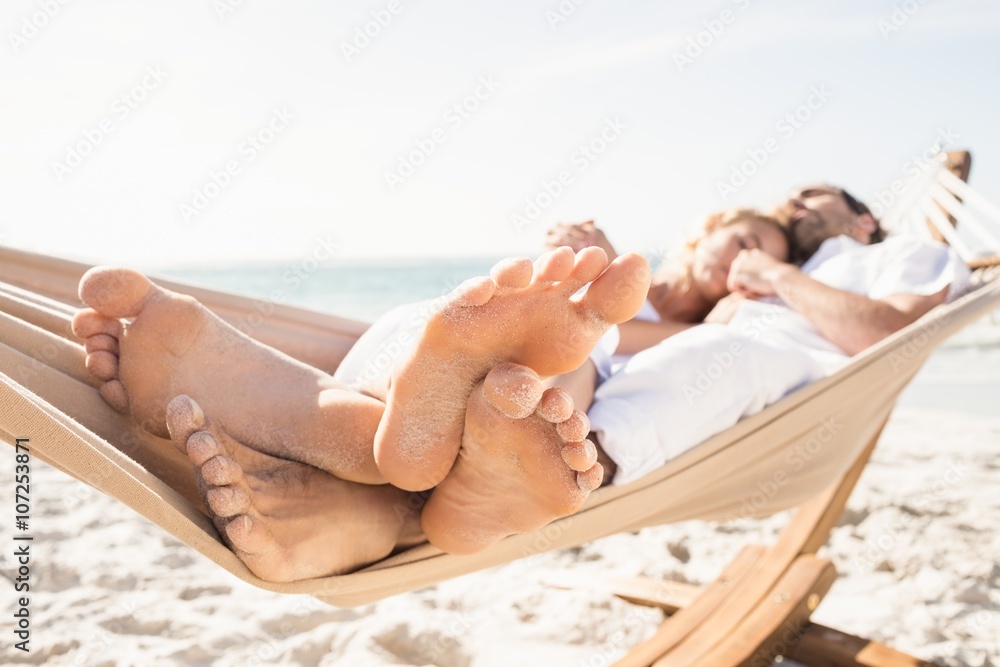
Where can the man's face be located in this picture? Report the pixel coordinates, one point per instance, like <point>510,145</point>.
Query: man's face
<point>819,212</point>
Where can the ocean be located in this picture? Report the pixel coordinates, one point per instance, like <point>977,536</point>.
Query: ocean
<point>963,375</point>
<point>354,289</point>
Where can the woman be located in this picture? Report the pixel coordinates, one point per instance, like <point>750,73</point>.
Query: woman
<point>685,290</point>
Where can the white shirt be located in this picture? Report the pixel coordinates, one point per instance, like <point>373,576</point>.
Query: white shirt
<point>899,265</point>
<point>603,355</point>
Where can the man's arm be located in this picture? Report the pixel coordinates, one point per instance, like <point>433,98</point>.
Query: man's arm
<point>851,321</point>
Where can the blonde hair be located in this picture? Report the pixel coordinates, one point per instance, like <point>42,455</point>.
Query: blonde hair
<point>678,266</point>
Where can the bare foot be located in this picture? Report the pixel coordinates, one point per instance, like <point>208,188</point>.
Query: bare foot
<point>287,520</point>
<point>521,314</point>
<point>173,345</point>
<point>512,474</point>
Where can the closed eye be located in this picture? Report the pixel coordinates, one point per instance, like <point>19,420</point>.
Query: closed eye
<point>748,242</point>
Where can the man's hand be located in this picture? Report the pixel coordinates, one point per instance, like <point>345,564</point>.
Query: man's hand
<point>578,237</point>
<point>754,273</point>
<point>850,321</point>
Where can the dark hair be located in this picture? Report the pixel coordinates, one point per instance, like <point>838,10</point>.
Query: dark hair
<point>860,208</point>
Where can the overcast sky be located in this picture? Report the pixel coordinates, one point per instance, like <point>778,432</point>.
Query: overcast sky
<point>201,131</point>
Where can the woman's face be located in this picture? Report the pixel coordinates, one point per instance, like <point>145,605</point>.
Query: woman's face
<point>714,253</point>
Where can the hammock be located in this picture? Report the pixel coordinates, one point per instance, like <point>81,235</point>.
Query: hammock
<point>47,395</point>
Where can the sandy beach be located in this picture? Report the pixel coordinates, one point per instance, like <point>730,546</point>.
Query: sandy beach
<point>351,157</point>
<point>916,554</point>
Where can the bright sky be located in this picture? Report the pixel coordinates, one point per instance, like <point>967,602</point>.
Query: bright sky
<point>118,115</point>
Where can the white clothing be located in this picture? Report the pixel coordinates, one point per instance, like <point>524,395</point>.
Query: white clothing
<point>370,360</point>
<point>604,357</point>
<point>657,404</point>
<point>899,265</point>
<point>677,394</point>
<point>673,396</point>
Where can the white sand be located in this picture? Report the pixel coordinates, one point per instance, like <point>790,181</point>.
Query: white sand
<point>917,554</point>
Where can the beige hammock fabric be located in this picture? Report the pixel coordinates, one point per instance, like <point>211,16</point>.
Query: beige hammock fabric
<point>772,461</point>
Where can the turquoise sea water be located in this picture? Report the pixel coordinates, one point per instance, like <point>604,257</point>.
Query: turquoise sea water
<point>963,375</point>
<point>358,290</point>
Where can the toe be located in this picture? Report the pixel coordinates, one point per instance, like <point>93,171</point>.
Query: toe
<point>512,389</point>
<point>618,294</point>
<point>575,428</point>
<point>89,322</point>
<point>554,265</point>
<point>114,394</point>
<point>202,447</point>
<point>589,264</point>
<point>115,292</point>
<point>250,535</point>
<point>474,292</point>
<point>515,272</point>
<point>590,479</point>
<point>580,456</point>
<point>556,405</point>
<point>221,471</point>
<point>103,365</point>
<point>184,418</point>
<point>227,501</point>
<point>101,343</point>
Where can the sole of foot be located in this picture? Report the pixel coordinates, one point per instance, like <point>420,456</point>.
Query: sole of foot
<point>514,473</point>
<point>285,520</point>
<point>147,344</point>
<point>523,313</point>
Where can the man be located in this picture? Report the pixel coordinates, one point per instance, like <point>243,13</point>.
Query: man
<point>850,302</point>
<point>785,326</point>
